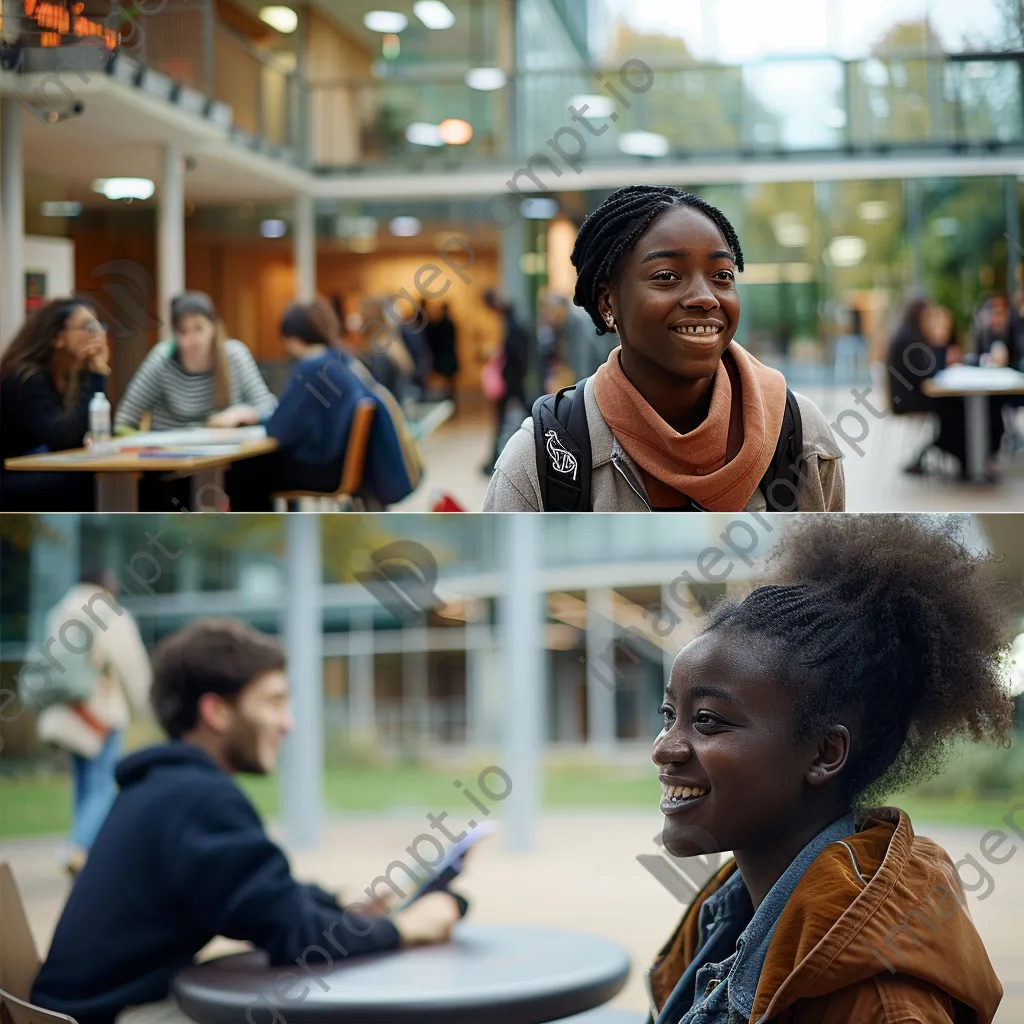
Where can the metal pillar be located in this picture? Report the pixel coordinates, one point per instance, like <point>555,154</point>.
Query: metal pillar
<point>914,198</point>
<point>522,622</point>
<point>12,214</point>
<point>1013,242</point>
<point>362,710</point>
<point>305,248</point>
<point>302,777</point>
<point>171,231</point>
<point>415,686</point>
<point>601,674</point>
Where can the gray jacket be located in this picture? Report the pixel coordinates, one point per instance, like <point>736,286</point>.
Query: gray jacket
<point>616,481</point>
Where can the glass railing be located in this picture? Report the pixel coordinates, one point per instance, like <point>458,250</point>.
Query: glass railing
<point>771,108</point>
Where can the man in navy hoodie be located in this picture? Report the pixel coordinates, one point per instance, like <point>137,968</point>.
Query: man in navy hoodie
<point>183,857</point>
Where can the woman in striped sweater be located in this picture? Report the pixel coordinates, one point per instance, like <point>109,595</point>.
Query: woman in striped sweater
<point>198,378</point>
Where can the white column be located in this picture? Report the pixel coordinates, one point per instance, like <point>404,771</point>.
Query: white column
<point>12,214</point>
<point>305,248</point>
<point>522,622</point>
<point>302,777</point>
<point>362,711</point>
<point>170,258</point>
<point>602,677</point>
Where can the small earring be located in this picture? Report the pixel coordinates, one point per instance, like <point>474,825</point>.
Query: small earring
<point>610,321</point>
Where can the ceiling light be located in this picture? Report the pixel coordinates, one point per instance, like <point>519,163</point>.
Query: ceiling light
<point>434,14</point>
<point>874,211</point>
<point>846,251</point>
<point>454,131</point>
<point>273,228</point>
<point>385,21</point>
<point>420,133</point>
<point>281,19</point>
<point>405,227</point>
<point>643,144</point>
<point>485,79</point>
<point>597,106</point>
<point>124,188</point>
<point>61,209</point>
<point>539,209</point>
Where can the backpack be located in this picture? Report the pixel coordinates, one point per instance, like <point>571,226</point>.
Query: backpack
<point>562,443</point>
<point>40,685</point>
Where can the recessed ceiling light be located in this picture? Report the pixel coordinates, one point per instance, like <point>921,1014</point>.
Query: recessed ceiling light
<point>273,228</point>
<point>643,144</point>
<point>874,211</point>
<point>281,19</point>
<point>405,227</point>
<point>434,14</point>
<point>61,209</point>
<point>385,21</point>
<point>846,251</point>
<point>454,131</point>
<point>597,106</point>
<point>421,133</point>
<point>124,188</point>
<point>485,79</point>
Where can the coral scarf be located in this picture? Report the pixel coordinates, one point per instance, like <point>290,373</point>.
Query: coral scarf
<point>719,463</point>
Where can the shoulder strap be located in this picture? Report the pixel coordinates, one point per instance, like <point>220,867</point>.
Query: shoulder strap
<point>562,443</point>
<point>781,480</point>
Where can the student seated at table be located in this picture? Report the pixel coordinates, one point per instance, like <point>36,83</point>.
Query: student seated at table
<point>48,375</point>
<point>313,421</point>
<point>197,378</point>
<point>183,856</point>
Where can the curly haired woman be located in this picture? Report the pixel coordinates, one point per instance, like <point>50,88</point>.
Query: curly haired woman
<point>876,643</point>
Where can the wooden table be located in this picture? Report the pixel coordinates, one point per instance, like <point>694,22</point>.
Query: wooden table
<point>502,974</point>
<point>118,473</point>
<point>975,385</point>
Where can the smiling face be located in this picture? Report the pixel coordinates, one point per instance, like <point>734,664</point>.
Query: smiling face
<point>733,776</point>
<point>674,296</point>
<point>195,334</point>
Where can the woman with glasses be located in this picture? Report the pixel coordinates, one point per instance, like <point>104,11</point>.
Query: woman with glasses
<point>48,375</point>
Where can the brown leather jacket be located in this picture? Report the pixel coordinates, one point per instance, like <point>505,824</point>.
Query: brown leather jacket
<point>878,931</point>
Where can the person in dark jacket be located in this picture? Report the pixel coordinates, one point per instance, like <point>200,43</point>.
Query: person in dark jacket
<point>921,348</point>
<point>183,856</point>
<point>313,420</point>
<point>443,349</point>
<point>516,350</point>
<point>48,375</point>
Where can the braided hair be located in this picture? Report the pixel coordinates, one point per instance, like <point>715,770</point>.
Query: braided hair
<point>614,227</point>
<point>892,626</point>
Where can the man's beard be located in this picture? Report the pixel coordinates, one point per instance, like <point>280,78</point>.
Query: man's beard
<point>242,749</point>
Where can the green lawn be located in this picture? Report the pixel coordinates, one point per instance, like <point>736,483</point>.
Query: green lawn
<point>43,807</point>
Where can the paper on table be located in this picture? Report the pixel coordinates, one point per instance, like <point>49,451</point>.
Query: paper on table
<point>188,436</point>
<point>980,378</point>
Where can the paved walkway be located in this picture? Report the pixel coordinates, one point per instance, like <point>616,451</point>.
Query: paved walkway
<point>874,481</point>
<point>583,874</point>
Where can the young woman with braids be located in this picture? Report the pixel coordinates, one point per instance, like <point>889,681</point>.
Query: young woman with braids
<point>876,644</point>
<point>680,416</point>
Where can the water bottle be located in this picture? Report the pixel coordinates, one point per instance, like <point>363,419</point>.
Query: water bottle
<point>99,418</point>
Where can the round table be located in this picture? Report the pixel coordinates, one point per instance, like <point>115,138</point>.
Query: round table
<point>504,974</point>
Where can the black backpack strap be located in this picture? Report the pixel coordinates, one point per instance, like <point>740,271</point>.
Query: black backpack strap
<point>780,482</point>
<point>562,442</point>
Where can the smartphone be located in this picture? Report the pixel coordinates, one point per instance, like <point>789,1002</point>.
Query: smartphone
<point>451,864</point>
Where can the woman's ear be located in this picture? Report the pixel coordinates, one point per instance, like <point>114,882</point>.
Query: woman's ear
<point>604,302</point>
<point>833,752</point>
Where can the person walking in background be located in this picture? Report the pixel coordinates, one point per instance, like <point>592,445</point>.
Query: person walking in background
<point>48,375</point>
<point>92,730</point>
<point>183,855</point>
<point>444,351</point>
<point>197,378</point>
<point>514,356</point>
